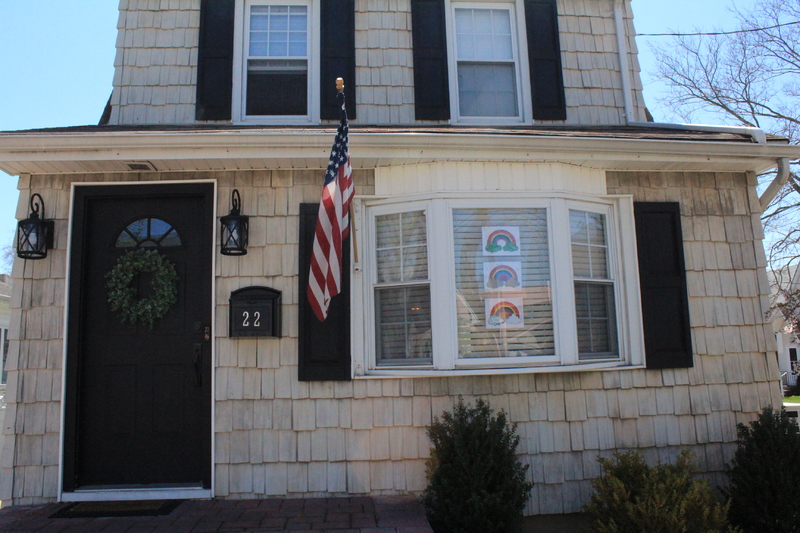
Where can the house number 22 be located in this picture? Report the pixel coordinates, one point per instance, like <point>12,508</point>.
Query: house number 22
<point>256,319</point>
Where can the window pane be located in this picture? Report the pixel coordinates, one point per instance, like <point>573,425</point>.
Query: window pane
<point>589,250</point>
<point>389,266</point>
<point>148,233</point>
<point>263,99</point>
<point>278,31</point>
<point>403,328</point>
<point>415,262</point>
<point>596,318</point>
<point>484,34</point>
<point>158,228</point>
<point>402,251</point>
<point>487,90</point>
<point>581,265</point>
<point>278,22</point>
<point>502,269</point>
<point>388,231</point>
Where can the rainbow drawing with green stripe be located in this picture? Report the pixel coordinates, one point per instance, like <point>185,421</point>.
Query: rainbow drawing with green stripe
<point>501,240</point>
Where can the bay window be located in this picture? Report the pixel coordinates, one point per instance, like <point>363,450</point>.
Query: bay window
<point>481,285</point>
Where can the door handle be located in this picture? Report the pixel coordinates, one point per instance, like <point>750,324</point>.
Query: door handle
<point>197,350</point>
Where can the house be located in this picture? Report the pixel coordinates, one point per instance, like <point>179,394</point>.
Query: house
<point>5,316</point>
<point>523,237</point>
<point>784,279</point>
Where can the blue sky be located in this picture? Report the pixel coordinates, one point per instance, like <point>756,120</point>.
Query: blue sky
<point>57,63</point>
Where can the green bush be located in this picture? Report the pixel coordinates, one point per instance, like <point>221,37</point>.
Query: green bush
<point>764,475</point>
<point>476,483</point>
<point>632,497</point>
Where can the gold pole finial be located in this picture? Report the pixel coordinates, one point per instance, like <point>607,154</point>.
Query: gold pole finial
<point>339,84</point>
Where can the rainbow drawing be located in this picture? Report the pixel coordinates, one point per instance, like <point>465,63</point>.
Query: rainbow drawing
<point>504,313</point>
<point>502,276</point>
<point>500,240</point>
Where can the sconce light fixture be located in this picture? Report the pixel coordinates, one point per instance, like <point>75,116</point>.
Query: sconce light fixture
<point>234,228</point>
<point>35,234</point>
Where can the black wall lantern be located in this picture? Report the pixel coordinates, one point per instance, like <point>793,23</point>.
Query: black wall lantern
<point>35,234</point>
<point>234,228</point>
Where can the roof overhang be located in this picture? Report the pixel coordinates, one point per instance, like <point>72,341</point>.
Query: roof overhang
<point>58,152</point>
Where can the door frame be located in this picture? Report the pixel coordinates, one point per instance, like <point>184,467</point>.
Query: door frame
<point>134,493</point>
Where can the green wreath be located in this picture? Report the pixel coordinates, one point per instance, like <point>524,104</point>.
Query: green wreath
<point>122,296</point>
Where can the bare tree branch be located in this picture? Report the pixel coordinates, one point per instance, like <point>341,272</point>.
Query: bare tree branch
<point>751,79</point>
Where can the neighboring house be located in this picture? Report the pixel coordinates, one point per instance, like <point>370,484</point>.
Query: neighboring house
<point>521,236</point>
<point>785,336</point>
<point>5,319</point>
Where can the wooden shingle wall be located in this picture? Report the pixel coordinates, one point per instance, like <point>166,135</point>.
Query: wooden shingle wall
<point>156,62</point>
<point>276,436</point>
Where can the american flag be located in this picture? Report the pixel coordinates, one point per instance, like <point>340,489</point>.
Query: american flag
<point>333,224</point>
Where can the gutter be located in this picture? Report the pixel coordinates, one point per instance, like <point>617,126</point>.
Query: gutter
<point>777,184</point>
<point>756,134</point>
<point>241,150</point>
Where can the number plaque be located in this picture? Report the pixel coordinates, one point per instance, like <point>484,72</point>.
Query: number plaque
<point>255,312</point>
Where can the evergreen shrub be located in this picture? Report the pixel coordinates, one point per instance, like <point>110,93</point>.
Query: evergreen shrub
<point>476,483</point>
<point>632,497</point>
<point>764,475</point>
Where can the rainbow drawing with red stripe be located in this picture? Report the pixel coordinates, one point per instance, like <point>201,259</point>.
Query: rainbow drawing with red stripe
<point>504,313</point>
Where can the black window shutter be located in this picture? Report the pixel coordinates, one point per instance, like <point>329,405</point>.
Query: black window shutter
<point>544,55</point>
<point>338,55</point>
<point>324,347</point>
<point>429,38</point>
<point>215,60</point>
<point>662,276</point>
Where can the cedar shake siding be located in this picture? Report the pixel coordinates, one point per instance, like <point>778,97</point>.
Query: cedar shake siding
<point>160,47</point>
<point>275,435</point>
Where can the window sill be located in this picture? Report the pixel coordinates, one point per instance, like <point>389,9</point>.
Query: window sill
<point>386,373</point>
<point>287,120</point>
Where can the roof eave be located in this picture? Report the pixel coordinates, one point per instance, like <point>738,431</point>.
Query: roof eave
<point>55,153</point>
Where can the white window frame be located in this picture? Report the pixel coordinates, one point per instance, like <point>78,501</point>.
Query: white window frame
<point>623,270</point>
<point>241,39</point>
<point>521,66</point>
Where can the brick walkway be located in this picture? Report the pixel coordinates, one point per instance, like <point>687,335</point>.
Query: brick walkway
<point>322,515</point>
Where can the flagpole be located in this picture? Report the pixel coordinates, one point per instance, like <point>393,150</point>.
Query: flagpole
<point>340,88</point>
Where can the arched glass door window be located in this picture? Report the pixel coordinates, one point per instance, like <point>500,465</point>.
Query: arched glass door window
<point>148,233</point>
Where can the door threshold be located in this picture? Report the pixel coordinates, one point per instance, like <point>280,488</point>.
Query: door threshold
<point>119,494</point>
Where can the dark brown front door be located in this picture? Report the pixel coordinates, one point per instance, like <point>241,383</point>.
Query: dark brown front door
<point>138,398</point>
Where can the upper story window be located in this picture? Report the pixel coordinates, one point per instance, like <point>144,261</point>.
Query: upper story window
<point>277,48</point>
<point>486,73</point>
<point>486,63</point>
<point>148,233</point>
<point>277,60</point>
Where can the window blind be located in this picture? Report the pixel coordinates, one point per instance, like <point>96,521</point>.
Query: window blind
<point>492,283</point>
<point>402,295</point>
<point>594,290</point>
